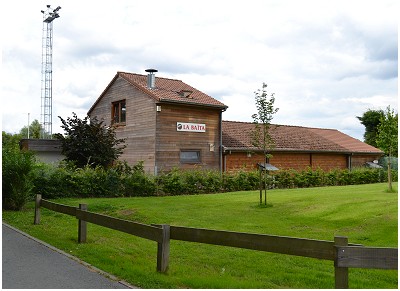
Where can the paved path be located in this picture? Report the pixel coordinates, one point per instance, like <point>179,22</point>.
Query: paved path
<point>30,263</point>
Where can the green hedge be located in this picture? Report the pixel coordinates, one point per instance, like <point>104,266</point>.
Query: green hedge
<point>22,177</point>
<point>67,181</point>
<point>317,178</point>
<point>124,181</point>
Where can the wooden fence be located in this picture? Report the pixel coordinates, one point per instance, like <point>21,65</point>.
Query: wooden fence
<point>343,254</point>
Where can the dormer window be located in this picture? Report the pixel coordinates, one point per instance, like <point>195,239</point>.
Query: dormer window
<point>185,93</point>
<point>118,114</point>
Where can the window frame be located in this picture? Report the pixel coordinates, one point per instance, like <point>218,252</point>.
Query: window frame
<point>190,161</point>
<point>120,117</point>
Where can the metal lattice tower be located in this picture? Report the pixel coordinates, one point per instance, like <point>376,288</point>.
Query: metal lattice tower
<point>47,71</point>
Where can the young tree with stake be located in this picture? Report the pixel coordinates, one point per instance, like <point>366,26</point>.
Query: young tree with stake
<point>260,136</point>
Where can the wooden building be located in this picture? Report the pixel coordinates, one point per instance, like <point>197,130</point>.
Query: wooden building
<point>166,123</point>
<point>295,147</point>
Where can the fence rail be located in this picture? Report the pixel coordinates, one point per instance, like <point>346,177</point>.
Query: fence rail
<point>142,230</point>
<point>343,254</point>
<point>317,249</point>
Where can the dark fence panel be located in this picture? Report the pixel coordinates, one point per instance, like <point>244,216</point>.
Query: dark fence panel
<point>343,254</point>
<point>277,244</point>
<point>70,210</point>
<point>366,257</point>
<point>134,228</point>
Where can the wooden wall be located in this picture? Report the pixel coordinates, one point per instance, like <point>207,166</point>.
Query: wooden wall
<point>170,141</point>
<point>296,161</point>
<point>360,160</point>
<point>139,129</point>
<point>151,135</point>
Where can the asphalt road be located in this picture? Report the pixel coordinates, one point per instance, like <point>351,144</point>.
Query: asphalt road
<point>31,264</point>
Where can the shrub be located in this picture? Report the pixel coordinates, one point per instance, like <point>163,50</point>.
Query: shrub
<point>54,182</point>
<point>135,182</point>
<point>128,181</point>
<point>17,184</point>
<point>172,182</point>
<point>284,179</point>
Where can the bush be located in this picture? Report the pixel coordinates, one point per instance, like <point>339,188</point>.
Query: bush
<point>17,183</point>
<point>69,181</point>
<point>54,182</point>
<point>123,180</point>
<point>241,181</point>
<point>135,182</point>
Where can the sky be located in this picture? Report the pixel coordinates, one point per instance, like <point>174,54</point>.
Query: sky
<point>327,62</point>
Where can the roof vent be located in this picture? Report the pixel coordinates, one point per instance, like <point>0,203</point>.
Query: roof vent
<point>151,78</point>
<point>186,93</point>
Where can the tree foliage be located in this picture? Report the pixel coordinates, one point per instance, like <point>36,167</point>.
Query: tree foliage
<point>387,138</point>
<point>17,169</point>
<point>260,136</point>
<point>371,120</point>
<point>89,142</point>
<point>10,140</point>
<point>35,129</point>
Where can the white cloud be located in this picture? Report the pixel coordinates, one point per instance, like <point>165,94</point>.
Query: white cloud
<point>326,61</point>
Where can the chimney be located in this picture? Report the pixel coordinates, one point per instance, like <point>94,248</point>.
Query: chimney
<point>151,78</point>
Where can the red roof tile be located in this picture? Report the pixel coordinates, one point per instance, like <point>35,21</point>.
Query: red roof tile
<point>236,136</point>
<point>170,90</point>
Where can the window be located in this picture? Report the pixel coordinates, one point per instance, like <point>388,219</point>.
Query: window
<point>190,156</point>
<point>118,114</point>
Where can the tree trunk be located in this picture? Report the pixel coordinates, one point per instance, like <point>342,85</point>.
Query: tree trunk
<point>265,187</point>
<point>390,174</point>
<point>260,186</point>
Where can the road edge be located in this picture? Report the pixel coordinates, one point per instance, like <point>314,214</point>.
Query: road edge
<point>101,272</point>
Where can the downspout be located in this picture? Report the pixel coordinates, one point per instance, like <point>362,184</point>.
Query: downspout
<point>220,142</point>
<point>349,162</point>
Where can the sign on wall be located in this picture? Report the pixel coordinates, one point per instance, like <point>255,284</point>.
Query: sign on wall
<point>192,127</point>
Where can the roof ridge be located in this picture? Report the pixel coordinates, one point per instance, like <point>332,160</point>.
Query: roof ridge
<point>287,125</point>
<point>143,75</point>
<point>168,90</point>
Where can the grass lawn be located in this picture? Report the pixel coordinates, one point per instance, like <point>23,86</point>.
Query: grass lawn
<point>366,214</point>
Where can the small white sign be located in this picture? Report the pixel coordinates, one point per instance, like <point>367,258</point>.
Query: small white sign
<point>192,127</point>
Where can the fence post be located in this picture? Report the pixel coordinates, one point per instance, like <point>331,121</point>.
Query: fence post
<point>37,209</point>
<point>341,273</point>
<point>82,226</point>
<point>163,249</point>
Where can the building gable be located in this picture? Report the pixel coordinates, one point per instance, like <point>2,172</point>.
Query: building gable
<point>165,90</point>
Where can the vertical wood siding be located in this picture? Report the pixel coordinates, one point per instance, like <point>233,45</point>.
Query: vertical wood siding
<point>139,130</point>
<point>170,141</point>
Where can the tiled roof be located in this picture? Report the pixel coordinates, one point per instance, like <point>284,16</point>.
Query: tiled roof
<point>236,136</point>
<point>170,90</point>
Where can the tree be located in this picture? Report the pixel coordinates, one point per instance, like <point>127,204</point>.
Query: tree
<point>260,136</point>
<point>89,142</point>
<point>35,128</point>
<point>10,140</point>
<point>387,138</point>
<point>17,168</point>
<point>371,120</point>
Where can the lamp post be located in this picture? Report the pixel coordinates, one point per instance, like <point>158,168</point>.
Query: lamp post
<point>47,72</point>
<point>28,124</point>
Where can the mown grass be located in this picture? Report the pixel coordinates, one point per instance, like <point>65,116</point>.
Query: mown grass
<point>366,214</point>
